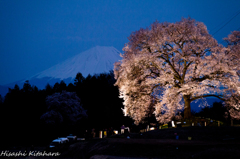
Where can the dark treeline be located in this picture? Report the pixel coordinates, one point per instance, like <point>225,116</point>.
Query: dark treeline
<point>27,118</point>
<point>22,109</point>
<point>217,112</point>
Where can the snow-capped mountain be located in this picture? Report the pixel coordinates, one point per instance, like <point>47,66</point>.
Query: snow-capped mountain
<point>96,60</point>
<point>99,59</point>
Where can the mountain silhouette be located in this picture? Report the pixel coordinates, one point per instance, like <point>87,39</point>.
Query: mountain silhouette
<point>99,59</point>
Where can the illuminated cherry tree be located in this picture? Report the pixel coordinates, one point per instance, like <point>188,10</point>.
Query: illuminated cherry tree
<point>172,65</point>
<point>233,103</point>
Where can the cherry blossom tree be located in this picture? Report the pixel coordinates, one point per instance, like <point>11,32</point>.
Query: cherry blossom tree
<point>233,103</point>
<point>63,107</point>
<point>174,64</point>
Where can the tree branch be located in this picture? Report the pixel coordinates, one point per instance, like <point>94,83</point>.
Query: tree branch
<point>209,95</point>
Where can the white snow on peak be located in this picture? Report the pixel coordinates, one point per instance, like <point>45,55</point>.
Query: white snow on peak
<point>99,59</point>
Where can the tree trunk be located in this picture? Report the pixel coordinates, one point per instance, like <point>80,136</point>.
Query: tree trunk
<point>187,107</point>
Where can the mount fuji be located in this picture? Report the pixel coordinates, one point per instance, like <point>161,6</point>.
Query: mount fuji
<point>99,59</point>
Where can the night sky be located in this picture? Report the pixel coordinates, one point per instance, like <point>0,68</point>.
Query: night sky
<point>37,34</point>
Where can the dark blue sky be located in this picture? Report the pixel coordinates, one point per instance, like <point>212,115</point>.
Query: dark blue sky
<point>37,34</point>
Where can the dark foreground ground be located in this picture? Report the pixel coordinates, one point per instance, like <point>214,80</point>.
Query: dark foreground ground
<point>206,142</point>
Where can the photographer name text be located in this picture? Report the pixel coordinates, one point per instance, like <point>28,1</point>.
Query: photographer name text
<point>7,153</point>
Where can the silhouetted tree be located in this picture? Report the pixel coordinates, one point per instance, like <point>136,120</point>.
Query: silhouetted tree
<point>100,98</point>
<point>49,90</point>
<point>27,87</point>
<point>62,86</point>
<point>56,87</point>
<point>1,99</point>
<point>78,79</point>
<point>71,88</point>
<point>22,109</point>
<point>64,109</point>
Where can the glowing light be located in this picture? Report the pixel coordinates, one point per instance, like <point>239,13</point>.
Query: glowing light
<point>152,128</point>
<point>173,125</point>
<point>100,134</point>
